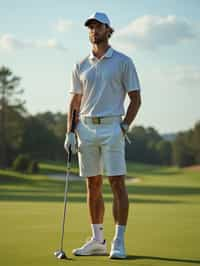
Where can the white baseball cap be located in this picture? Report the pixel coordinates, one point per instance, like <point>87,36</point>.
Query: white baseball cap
<point>100,17</point>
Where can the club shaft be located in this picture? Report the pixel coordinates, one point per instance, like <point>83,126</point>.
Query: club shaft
<point>69,157</point>
<point>65,204</point>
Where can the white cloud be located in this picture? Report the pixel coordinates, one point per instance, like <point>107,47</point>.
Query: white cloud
<point>180,76</point>
<point>63,25</point>
<point>187,76</point>
<point>9,43</point>
<point>150,32</point>
<point>51,43</point>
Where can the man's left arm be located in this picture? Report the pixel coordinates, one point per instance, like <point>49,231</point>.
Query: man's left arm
<point>133,107</point>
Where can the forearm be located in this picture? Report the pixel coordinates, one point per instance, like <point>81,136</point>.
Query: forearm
<point>132,110</point>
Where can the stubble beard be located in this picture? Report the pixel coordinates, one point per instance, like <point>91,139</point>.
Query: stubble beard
<point>98,40</point>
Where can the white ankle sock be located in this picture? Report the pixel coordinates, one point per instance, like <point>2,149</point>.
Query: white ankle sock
<point>97,232</point>
<point>119,231</point>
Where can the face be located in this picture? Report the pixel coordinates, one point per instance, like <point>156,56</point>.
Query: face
<point>98,32</point>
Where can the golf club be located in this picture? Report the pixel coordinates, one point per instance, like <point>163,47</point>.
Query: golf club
<point>60,254</point>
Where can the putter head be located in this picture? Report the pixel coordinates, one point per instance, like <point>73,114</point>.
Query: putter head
<point>60,254</point>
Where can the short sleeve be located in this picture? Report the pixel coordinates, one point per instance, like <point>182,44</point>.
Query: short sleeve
<point>75,83</point>
<point>130,77</point>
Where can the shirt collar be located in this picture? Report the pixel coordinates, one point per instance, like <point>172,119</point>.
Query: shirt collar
<point>108,54</point>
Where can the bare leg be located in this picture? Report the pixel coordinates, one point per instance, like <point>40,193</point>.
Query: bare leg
<point>95,200</point>
<point>120,199</point>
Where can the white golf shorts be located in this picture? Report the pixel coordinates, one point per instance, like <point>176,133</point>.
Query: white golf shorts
<point>101,148</point>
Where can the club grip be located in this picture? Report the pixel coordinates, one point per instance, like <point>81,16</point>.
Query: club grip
<point>69,158</point>
<point>73,121</point>
<point>69,155</point>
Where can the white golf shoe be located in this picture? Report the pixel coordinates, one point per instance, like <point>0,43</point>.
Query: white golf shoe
<point>117,250</point>
<point>92,247</point>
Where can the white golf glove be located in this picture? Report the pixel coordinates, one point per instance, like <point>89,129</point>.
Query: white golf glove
<point>70,140</point>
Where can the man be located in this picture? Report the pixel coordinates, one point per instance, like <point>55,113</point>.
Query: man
<point>99,86</point>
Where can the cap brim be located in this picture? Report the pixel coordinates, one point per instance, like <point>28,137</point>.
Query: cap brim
<point>94,19</point>
<point>90,20</point>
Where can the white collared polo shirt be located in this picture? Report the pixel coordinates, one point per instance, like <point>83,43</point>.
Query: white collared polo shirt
<point>104,83</point>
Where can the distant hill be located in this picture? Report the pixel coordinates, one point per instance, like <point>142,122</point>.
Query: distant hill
<point>169,136</point>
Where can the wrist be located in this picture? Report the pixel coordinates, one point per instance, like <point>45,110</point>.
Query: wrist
<point>124,126</point>
<point>69,133</point>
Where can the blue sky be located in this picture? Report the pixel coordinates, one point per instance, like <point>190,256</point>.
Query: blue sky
<point>41,40</point>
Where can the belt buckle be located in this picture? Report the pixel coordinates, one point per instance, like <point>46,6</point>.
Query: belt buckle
<point>96,120</point>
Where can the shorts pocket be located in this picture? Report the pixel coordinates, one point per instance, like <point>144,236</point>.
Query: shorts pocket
<point>116,140</point>
<point>120,130</point>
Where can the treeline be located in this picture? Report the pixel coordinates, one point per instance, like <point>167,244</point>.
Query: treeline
<point>41,136</point>
<point>186,147</point>
<point>149,147</point>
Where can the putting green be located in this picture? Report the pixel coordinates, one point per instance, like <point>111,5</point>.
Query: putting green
<point>163,226</point>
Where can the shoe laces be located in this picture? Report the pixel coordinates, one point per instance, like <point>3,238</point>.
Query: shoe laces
<point>88,243</point>
<point>91,241</point>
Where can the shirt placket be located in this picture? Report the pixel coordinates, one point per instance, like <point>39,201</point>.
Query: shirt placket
<point>97,68</point>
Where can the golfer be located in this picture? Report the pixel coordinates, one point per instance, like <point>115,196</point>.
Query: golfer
<point>99,85</point>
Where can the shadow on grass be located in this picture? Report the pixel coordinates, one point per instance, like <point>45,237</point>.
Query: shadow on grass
<point>13,179</point>
<point>57,186</point>
<point>152,169</point>
<point>17,187</point>
<point>163,190</point>
<point>47,171</point>
<point>131,257</point>
<point>78,198</point>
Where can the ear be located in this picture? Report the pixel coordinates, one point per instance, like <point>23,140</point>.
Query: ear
<point>109,33</point>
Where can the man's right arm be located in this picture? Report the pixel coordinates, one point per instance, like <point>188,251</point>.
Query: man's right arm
<point>74,104</point>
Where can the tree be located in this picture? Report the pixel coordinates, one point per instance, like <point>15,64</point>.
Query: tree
<point>55,122</point>
<point>164,149</point>
<point>144,145</point>
<point>39,141</point>
<point>196,142</point>
<point>183,150</point>
<point>136,151</point>
<point>10,104</point>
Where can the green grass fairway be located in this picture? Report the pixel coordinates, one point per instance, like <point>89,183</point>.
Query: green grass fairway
<point>163,228</point>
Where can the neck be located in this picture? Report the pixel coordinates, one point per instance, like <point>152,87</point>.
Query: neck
<point>100,49</point>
